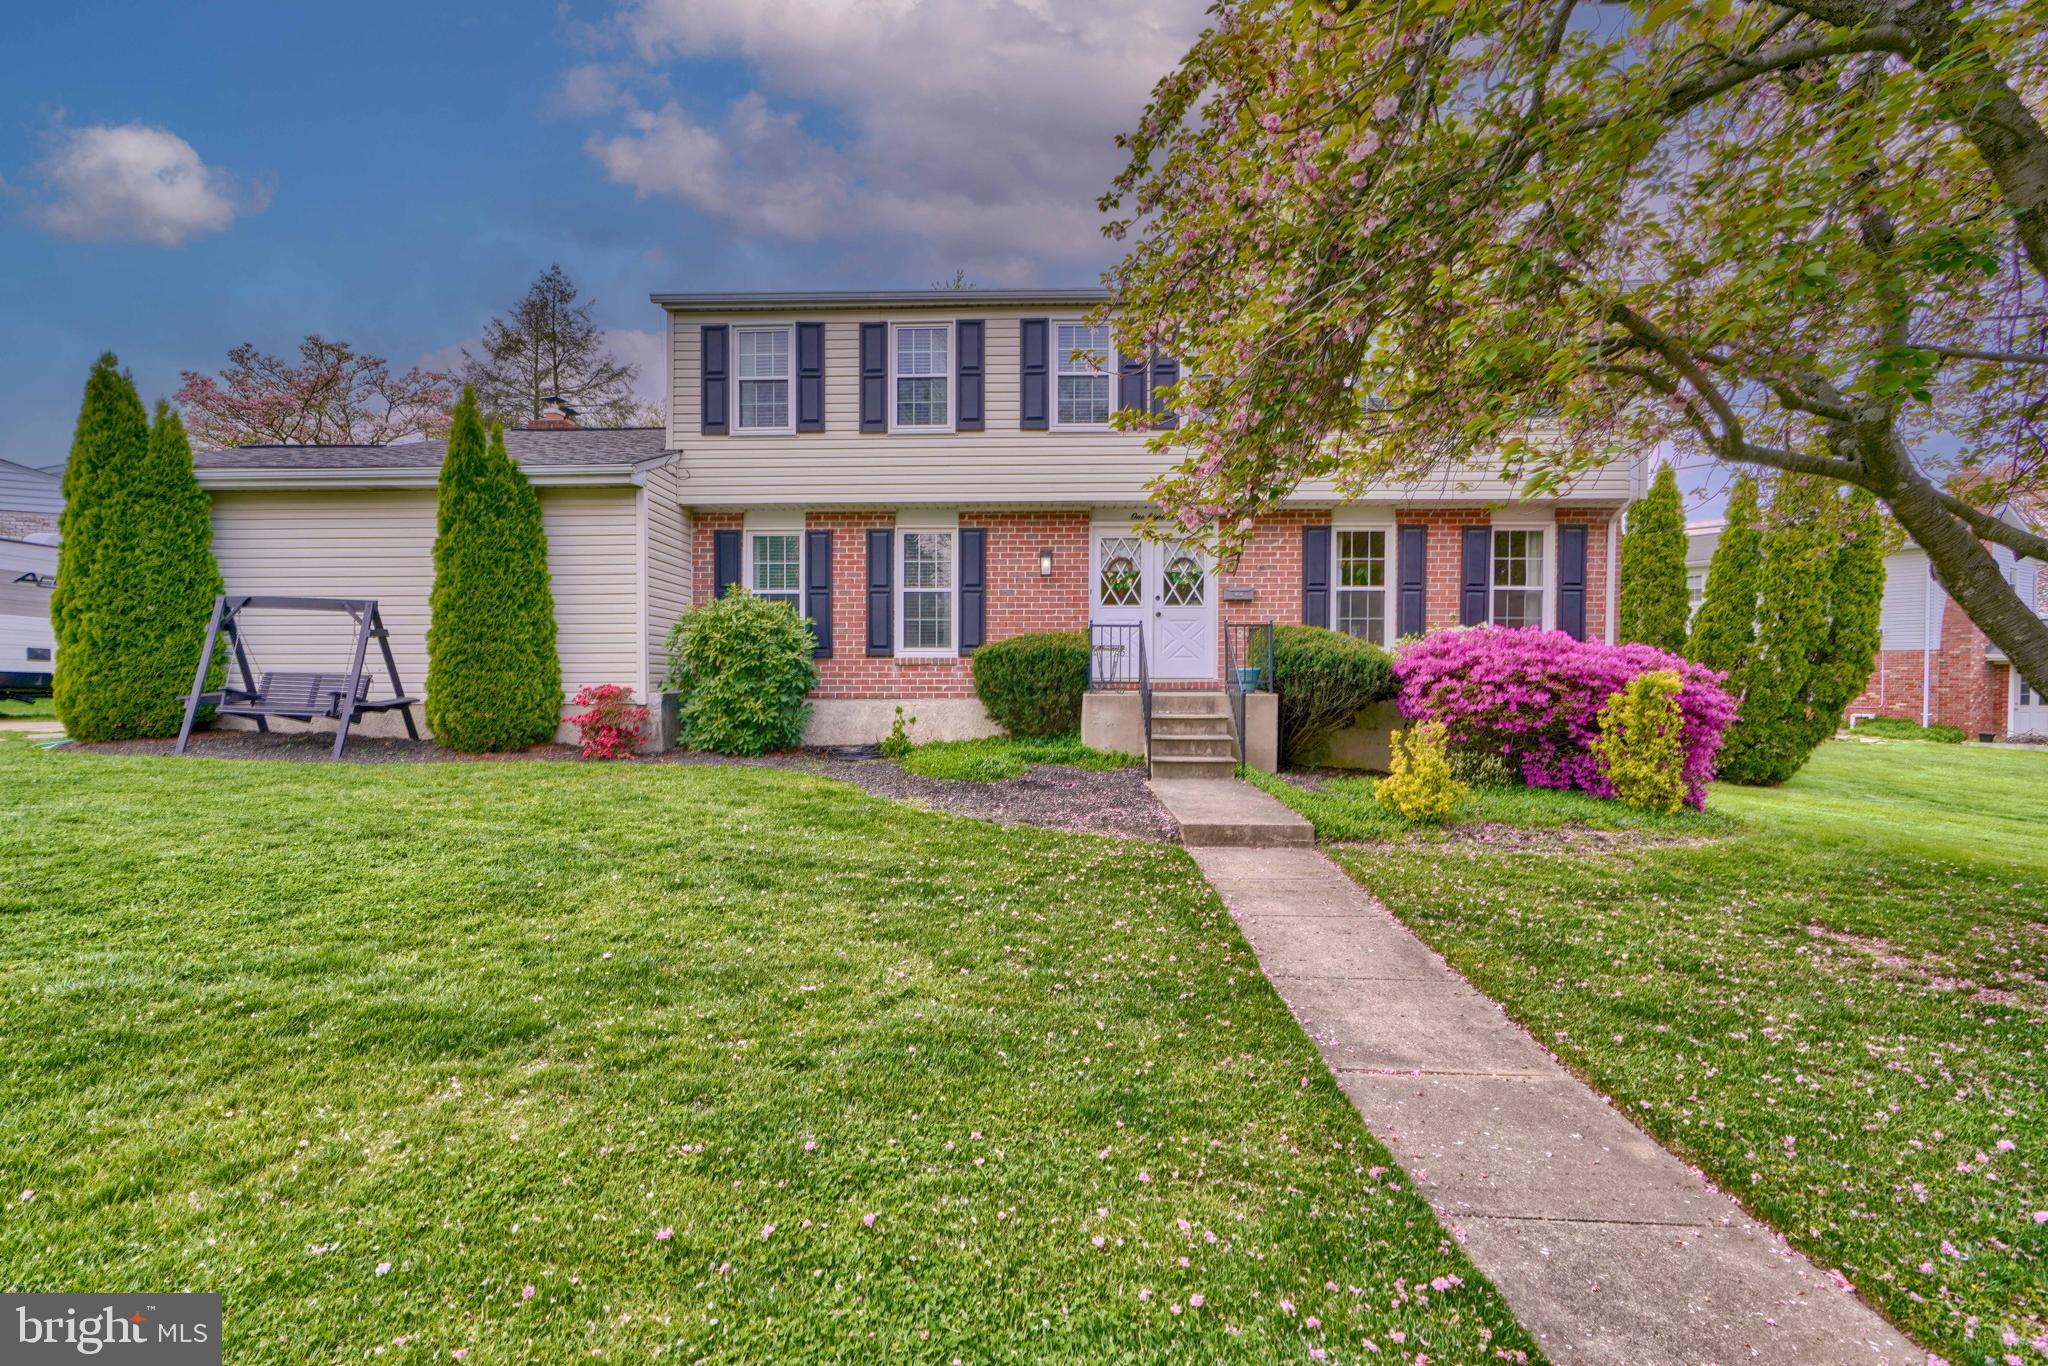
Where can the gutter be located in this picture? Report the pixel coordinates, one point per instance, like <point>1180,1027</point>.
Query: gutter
<point>410,477</point>
<point>965,299</point>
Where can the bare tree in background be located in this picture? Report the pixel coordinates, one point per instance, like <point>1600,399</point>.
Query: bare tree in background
<point>547,347</point>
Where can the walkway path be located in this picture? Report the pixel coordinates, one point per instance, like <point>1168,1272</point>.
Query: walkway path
<point>1608,1248</point>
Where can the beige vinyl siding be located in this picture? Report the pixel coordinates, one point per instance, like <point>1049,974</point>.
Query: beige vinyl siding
<point>669,571</point>
<point>335,543</point>
<point>1000,464</point>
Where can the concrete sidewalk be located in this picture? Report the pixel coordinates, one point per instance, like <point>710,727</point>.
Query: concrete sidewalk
<point>1608,1248</point>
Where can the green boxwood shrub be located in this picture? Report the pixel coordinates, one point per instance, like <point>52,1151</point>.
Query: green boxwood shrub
<point>1325,679</point>
<point>1032,684</point>
<point>743,667</point>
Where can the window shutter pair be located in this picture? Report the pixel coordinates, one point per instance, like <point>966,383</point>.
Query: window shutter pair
<point>817,592</point>
<point>971,547</point>
<point>1139,382</point>
<point>968,376</point>
<point>715,379</point>
<point>1411,549</point>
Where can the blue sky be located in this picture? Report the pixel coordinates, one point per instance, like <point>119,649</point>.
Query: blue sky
<point>177,179</point>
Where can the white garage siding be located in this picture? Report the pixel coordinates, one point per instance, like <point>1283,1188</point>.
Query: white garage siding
<point>379,543</point>
<point>669,568</point>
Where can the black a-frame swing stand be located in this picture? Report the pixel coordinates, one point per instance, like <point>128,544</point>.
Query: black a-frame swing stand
<point>339,697</point>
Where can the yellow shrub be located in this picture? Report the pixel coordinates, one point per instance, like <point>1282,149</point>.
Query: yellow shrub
<point>1419,784</point>
<point>1641,742</point>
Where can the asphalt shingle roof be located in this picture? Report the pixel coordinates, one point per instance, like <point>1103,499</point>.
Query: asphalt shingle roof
<point>580,446</point>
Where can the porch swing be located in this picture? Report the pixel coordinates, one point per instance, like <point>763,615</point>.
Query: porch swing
<point>342,697</point>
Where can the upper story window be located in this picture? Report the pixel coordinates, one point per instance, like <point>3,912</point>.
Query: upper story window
<point>1517,577</point>
<point>927,609</point>
<point>1085,375</point>
<point>762,356</point>
<point>1361,582</point>
<point>922,384</point>
<point>775,566</point>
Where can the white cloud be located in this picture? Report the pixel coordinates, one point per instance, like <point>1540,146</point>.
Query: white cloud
<point>984,127</point>
<point>135,182</point>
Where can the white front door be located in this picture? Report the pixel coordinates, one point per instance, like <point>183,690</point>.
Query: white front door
<point>2029,709</point>
<point>1164,591</point>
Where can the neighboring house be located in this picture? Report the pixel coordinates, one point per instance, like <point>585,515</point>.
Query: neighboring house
<point>30,500</point>
<point>918,474</point>
<point>1934,665</point>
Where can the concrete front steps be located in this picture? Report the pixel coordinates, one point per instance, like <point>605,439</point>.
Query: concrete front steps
<point>1193,736</point>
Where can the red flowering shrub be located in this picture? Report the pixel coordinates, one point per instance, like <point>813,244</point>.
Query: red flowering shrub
<point>612,726</point>
<point>1534,698</point>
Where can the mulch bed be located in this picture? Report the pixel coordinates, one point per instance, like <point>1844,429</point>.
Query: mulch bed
<point>1058,798</point>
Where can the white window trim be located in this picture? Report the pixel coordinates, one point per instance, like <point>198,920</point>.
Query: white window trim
<point>1546,523</point>
<point>1385,522</point>
<point>947,522</point>
<point>732,376</point>
<point>1111,367</point>
<point>951,378</point>
<point>777,524</point>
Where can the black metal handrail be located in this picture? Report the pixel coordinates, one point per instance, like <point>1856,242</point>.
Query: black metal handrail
<point>1116,663</point>
<point>1247,667</point>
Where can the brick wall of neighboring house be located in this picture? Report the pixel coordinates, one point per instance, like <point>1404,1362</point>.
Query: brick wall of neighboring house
<point>1970,692</point>
<point>1020,599</point>
<point>21,525</point>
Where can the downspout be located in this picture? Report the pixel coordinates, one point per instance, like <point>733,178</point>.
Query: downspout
<point>1613,571</point>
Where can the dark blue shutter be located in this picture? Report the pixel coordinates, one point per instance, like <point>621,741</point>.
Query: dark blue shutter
<point>810,377</point>
<point>1315,576</point>
<point>973,588</point>
<point>1571,580</point>
<point>1165,374</point>
<point>1032,410</point>
<point>1130,383</point>
<point>881,593</point>
<point>967,375</point>
<point>874,377</point>
<point>1412,557</point>
<point>818,588</point>
<point>727,544</point>
<point>1478,573</point>
<point>712,414</point>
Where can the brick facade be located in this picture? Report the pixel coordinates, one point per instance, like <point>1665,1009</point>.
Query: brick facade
<point>1971,693</point>
<point>1020,599</point>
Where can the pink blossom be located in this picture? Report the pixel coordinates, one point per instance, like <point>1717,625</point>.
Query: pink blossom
<point>662,1235</point>
<point>867,1220</point>
<point>526,1293</point>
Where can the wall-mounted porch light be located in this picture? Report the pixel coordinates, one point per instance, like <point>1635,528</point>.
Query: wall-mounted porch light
<point>1045,563</point>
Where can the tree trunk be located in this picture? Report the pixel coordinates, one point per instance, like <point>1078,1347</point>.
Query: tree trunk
<point>1964,567</point>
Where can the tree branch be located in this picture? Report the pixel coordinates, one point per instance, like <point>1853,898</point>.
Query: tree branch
<point>1991,528</point>
<point>1971,353</point>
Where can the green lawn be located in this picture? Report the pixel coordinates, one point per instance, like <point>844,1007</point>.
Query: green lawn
<point>535,1059</point>
<point>1005,756</point>
<point>42,706</point>
<point>1345,809</point>
<point>1840,1011</point>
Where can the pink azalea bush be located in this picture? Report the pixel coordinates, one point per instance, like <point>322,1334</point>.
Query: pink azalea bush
<point>1534,698</point>
<point>612,727</point>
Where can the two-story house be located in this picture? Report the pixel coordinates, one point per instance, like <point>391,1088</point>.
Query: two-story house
<point>918,473</point>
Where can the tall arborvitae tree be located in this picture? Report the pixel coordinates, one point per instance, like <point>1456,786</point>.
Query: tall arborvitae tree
<point>1772,736</point>
<point>136,578</point>
<point>1724,632</point>
<point>1654,602</point>
<point>1855,604</point>
<point>494,679</point>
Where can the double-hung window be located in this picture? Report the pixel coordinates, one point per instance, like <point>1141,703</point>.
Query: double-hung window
<point>1518,582</point>
<point>1361,583</point>
<point>762,369</point>
<point>929,589</point>
<point>1083,362</point>
<point>775,566</point>
<point>922,360</point>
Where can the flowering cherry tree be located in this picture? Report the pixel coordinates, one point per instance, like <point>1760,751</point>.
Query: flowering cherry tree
<point>1391,238</point>
<point>332,396</point>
